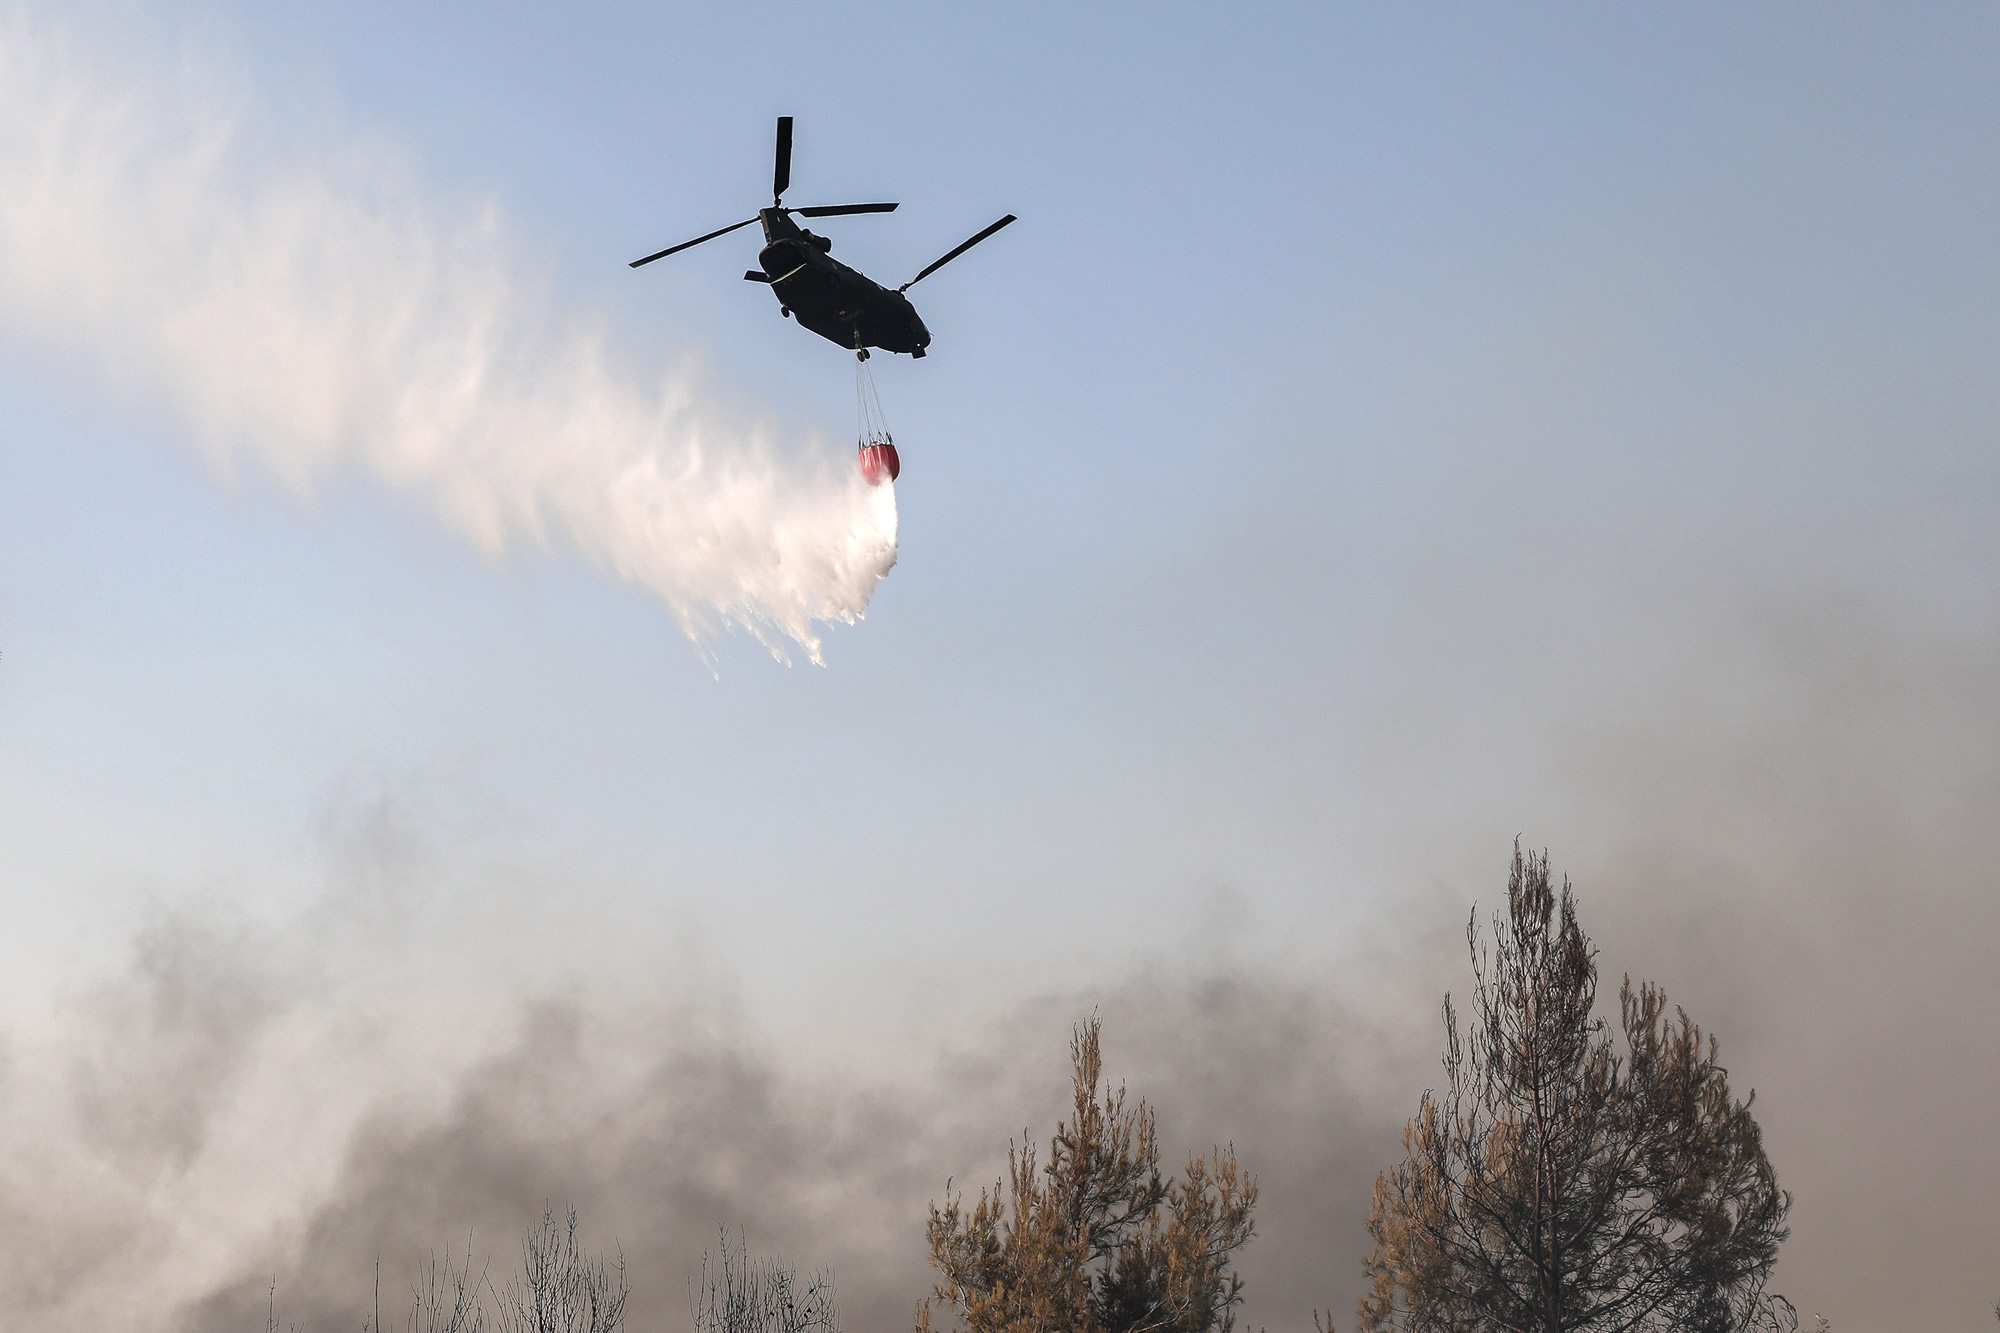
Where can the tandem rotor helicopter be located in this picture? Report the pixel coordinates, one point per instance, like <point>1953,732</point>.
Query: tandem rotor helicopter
<point>836,302</point>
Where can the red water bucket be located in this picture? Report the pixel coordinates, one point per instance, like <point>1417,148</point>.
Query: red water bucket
<point>878,461</point>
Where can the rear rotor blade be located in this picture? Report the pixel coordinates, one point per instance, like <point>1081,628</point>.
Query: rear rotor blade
<point>935,266</point>
<point>842,210</point>
<point>781,178</point>
<point>675,249</point>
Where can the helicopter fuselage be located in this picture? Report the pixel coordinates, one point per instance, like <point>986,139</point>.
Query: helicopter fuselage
<point>836,302</point>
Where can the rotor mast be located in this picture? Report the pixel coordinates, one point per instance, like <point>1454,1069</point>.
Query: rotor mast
<point>781,175</point>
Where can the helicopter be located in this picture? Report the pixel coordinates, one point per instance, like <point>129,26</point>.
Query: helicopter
<point>838,303</point>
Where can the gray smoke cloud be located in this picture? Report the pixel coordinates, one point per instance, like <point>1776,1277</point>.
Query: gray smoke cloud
<point>1810,873</point>
<point>175,1037</point>
<point>660,1145</point>
<point>256,1103</point>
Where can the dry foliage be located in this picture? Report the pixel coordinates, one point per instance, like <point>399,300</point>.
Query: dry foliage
<point>739,1294</point>
<point>1555,1186</point>
<point>562,1289</point>
<point>446,1297</point>
<point>1095,1241</point>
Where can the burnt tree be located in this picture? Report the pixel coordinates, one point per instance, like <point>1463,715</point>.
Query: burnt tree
<point>1557,1186</point>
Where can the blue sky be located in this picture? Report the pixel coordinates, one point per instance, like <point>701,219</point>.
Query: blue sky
<point>1386,433</point>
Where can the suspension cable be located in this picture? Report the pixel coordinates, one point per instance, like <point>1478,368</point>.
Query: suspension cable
<point>872,426</point>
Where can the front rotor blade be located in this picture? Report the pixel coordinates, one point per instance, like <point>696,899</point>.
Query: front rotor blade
<point>781,178</point>
<point>675,249</point>
<point>842,210</point>
<point>934,267</point>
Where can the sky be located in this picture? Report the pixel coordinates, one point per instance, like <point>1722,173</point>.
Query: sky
<point>468,739</point>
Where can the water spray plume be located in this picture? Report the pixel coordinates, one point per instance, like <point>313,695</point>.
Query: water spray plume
<point>320,311</point>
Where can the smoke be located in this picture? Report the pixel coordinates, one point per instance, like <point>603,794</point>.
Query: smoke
<point>297,1099</point>
<point>317,310</point>
<point>1811,873</point>
<point>298,1129</point>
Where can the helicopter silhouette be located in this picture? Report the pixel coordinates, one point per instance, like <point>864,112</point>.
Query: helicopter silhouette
<point>838,303</point>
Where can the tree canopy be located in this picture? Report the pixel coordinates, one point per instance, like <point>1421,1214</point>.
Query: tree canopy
<point>1556,1186</point>
<point>1095,1240</point>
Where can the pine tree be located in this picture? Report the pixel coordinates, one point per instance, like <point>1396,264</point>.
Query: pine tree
<point>1095,1240</point>
<point>1557,1187</point>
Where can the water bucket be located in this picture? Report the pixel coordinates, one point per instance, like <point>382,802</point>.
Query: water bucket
<point>879,461</point>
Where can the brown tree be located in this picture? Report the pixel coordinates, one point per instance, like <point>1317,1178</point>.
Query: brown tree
<point>1095,1241</point>
<point>1556,1186</point>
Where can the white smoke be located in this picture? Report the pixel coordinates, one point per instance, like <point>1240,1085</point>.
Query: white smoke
<point>315,311</point>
